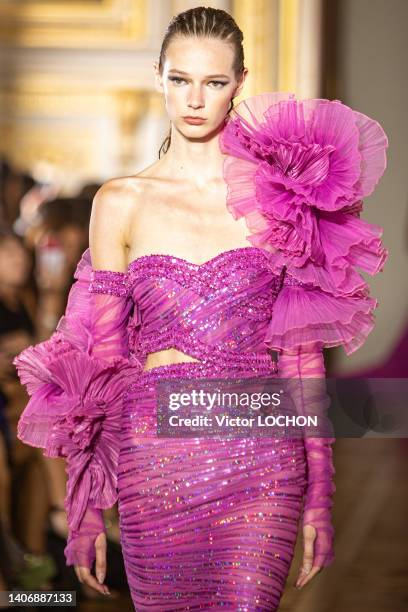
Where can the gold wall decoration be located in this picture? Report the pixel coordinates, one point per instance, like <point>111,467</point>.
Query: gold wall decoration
<point>258,20</point>
<point>131,105</point>
<point>64,128</point>
<point>80,132</point>
<point>288,45</point>
<point>282,45</point>
<point>78,23</point>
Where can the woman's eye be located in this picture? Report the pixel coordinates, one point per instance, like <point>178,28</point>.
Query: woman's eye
<point>176,80</point>
<point>221,83</point>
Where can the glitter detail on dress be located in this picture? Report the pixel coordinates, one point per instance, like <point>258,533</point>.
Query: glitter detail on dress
<point>209,523</point>
<point>108,281</point>
<point>205,523</point>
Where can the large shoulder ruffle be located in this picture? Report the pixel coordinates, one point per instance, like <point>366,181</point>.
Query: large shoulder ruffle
<point>75,404</point>
<point>298,171</point>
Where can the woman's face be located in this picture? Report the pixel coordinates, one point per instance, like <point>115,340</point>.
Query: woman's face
<point>198,80</point>
<point>14,262</point>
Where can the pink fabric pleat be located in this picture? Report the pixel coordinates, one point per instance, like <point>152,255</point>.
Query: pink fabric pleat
<point>205,522</point>
<point>298,171</point>
<point>76,381</point>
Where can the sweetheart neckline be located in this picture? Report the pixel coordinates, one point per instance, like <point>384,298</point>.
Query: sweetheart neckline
<point>135,261</point>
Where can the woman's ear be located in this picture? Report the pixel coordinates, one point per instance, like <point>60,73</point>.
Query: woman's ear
<point>241,82</point>
<point>158,78</point>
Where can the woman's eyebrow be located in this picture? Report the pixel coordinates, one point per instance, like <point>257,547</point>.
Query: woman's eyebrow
<point>209,76</point>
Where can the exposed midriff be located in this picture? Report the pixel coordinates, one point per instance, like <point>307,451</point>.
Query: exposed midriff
<point>166,357</point>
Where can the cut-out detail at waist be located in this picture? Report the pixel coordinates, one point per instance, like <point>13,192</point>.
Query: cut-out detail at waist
<point>247,365</point>
<point>167,357</point>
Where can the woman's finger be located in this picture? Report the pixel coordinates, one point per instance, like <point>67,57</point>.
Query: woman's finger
<point>309,536</point>
<point>306,577</point>
<point>92,582</point>
<point>77,572</point>
<point>100,563</point>
<point>87,578</point>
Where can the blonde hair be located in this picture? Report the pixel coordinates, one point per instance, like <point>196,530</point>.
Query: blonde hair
<point>203,21</point>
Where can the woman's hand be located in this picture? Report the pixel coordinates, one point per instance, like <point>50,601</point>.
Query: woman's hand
<point>308,570</point>
<point>84,574</point>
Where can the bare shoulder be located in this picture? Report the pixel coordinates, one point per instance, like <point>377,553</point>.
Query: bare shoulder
<point>111,208</point>
<point>116,206</point>
<point>118,194</point>
<point>125,195</point>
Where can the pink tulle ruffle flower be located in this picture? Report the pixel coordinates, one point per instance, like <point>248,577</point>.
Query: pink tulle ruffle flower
<point>81,426</point>
<point>299,171</point>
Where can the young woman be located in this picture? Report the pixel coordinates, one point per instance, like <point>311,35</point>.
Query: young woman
<point>172,289</point>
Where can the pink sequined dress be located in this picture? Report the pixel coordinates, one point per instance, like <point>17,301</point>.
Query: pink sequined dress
<point>212,523</point>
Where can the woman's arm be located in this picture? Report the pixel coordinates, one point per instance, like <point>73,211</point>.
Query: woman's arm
<point>108,225</point>
<point>77,379</point>
<point>107,248</point>
<point>305,374</point>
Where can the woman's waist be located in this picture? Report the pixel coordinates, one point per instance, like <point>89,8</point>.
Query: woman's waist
<point>220,365</point>
<point>222,351</point>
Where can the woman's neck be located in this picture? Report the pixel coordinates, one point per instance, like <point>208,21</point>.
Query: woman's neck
<point>198,162</point>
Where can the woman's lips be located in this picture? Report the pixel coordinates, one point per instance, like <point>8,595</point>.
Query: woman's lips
<point>194,120</point>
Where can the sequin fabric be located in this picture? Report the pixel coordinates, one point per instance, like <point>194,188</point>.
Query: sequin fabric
<point>205,523</point>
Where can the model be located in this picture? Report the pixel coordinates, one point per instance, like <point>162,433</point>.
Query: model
<point>174,287</point>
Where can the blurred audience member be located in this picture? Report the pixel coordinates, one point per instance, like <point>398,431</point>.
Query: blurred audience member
<point>17,566</point>
<point>61,237</point>
<point>13,186</point>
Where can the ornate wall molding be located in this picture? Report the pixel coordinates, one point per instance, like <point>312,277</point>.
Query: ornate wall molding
<point>300,47</point>
<point>77,83</point>
<point>282,45</point>
<point>258,22</point>
<point>89,23</point>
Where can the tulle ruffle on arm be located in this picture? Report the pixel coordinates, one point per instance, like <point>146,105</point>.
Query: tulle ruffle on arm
<point>76,381</point>
<point>298,172</point>
<point>304,316</point>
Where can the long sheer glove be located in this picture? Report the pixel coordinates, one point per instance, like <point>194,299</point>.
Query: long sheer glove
<point>76,381</point>
<point>310,397</point>
<point>109,316</point>
<point>80,548</point>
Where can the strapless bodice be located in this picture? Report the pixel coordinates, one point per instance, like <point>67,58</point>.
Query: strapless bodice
<point>220,307</point>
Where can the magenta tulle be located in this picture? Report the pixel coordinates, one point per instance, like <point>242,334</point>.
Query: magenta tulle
<point>206,523</point>
<point>298,171</point>
<point>80,548</point>
<point>298,367</point>
<point>95,319</point>
<point>76,381</point>
<point>305,316</point>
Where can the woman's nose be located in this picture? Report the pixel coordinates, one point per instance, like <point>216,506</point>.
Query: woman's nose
<point>196,98</point>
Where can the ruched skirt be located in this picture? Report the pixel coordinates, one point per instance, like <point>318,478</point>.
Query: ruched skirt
<point>205,523</point>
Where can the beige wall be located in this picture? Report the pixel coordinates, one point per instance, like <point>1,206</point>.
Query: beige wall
<point>372,58</point>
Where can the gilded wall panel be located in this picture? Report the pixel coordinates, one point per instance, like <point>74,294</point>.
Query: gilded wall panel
<point>77,23</point>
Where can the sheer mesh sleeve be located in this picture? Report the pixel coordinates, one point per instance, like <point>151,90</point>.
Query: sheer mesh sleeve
<point>299,172</point>
<point>76,381</point>
<point>310,396</point>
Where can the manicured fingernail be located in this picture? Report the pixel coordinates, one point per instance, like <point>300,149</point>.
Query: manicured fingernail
<point>100,578</point>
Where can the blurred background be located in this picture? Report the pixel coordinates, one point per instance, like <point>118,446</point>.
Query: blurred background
<point>77,107</point>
